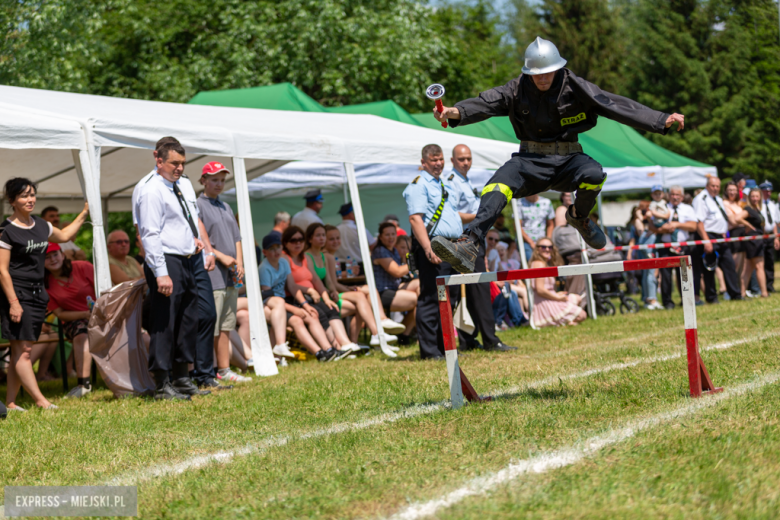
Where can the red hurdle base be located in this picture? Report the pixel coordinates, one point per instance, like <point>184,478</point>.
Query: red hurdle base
<point>698,378</point>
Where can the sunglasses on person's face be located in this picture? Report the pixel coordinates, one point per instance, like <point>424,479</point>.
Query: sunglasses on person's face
<point>296,240</point>
<point>121,242</point>
<point>492,240</point>
<point>545,248</point>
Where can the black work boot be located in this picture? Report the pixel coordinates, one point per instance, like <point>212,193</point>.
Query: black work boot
<point>184,385</point>
<point>168,393</point>
<point>591,233</point>
<point>461,255</point>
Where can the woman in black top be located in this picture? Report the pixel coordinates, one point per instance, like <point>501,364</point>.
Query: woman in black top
<point>754,249</point>
<point>23,242</point>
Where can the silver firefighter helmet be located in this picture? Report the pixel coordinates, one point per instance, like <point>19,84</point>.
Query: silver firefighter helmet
<point>541,57</point>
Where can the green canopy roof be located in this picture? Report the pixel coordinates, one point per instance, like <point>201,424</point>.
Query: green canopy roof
<point>485,129</point>
<point>283,96</point>
<point>386,109</point>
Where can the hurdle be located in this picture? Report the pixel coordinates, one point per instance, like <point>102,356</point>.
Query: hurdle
<point>699,381</point>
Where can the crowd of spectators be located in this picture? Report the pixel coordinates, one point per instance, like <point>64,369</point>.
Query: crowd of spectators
<point>314,295</point>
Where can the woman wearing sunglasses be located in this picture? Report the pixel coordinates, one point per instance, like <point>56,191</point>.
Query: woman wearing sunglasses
<point>123,267</point>
<point>552,309</point>
<point>293,242</point>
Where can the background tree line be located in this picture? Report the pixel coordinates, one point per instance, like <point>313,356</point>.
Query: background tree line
<point>717,62</point>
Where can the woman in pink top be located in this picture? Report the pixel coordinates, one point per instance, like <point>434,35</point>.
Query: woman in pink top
<point>552,308</point>
<point>293,242</point>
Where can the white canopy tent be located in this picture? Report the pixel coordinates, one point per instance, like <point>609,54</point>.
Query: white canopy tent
<point>117,135</point>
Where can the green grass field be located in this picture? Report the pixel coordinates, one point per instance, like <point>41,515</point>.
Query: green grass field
<point>591,421</point>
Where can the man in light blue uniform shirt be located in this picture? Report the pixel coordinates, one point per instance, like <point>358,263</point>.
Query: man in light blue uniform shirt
<point>478,301</point>
<point>423,199</point>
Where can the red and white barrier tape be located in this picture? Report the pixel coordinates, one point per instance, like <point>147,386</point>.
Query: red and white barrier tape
<point>564,270</point>
<point>665,245</point>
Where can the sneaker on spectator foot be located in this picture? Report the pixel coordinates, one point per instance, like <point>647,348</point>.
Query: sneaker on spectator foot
<point>212,384</point>
<point>389,338</point>
<point>334,354</point>
<point>232,377</point>
<point>392,327</point>
<point>79,391</point>
<point>351,347</point>
<point>283,350</point>
<point>17,409</point>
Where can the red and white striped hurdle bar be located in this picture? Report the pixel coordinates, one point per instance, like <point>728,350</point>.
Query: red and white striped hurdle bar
<point>698,377</point>
<point>665,245</point>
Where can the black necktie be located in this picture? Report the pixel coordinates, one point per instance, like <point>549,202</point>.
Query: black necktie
<point>675,218</point>
<point>769,214</point>
<point>722,211</point>
<point>184,209</point>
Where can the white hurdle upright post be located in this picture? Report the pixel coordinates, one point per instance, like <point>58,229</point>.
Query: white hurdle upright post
<point>460,387</point>
<point>698,378</point>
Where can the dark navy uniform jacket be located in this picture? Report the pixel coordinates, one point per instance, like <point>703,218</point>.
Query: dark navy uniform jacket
<point>571,106</point>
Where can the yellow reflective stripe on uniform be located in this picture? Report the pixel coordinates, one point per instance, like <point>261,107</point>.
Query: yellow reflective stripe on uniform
<point>503,188</point>
<point>593,187</point>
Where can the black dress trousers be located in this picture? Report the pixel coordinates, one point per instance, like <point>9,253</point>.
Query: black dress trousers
<point>667,275</point>
<point>729,268</point>
<point>769,263</point>
<point>480,308</point>
<point>428,320</point>
<point>203,369</point>
<point>173,320</point>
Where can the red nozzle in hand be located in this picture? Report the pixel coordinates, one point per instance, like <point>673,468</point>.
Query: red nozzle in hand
<point>440,108</point>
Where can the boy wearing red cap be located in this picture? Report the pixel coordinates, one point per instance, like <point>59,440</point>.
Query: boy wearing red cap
<point>225,238</point>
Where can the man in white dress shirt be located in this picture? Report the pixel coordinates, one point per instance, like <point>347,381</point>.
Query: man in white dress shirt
<point>771,213</point>
<point>311,213</point>
<point>682,218</point>
<point>169,235</point>
<point>713,222</point>
<point>203,373</point>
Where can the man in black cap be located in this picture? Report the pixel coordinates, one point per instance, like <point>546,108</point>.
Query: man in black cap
<point>310,214</point>
<point>350,244</point>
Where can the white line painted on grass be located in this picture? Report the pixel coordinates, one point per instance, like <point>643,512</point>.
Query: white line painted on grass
<point>630,364</point>
<point>199,461</point>
<point>545,462</point>
<point>640,337</point>
<point>162,470</point>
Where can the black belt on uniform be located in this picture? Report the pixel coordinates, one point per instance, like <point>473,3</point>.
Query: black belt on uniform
<point>556,148</point>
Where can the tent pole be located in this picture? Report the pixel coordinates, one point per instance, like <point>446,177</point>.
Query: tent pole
<point>87,163</point>
<point>523,260</point>
<point>265,365</point>
<point>591,299</point>
<point>366,254</point>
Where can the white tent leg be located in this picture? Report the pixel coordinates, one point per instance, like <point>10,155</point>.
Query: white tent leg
<point>523,261</point>
<point>87,164</point>
<point>591,299</point>
<point>366,254</point>
<point>265,365</point>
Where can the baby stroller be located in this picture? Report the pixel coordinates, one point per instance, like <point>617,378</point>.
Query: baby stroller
<point>605,285</point>
<point>608,285</point>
